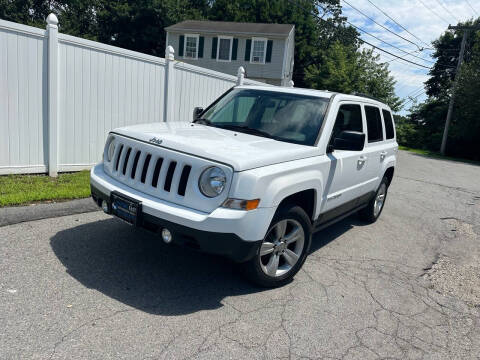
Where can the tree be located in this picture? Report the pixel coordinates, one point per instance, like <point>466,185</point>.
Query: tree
<point>346,69</point>
<point>464,133</point>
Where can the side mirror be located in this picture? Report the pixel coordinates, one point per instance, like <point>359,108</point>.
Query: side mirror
<point>349,140</point>
<point>196,112</point>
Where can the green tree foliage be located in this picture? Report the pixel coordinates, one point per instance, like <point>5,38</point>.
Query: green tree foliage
<point>327,54</point>
<point>428,119</point>
<point>346,69</point>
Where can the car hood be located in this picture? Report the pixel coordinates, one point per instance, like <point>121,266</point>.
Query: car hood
<point>241,151</point>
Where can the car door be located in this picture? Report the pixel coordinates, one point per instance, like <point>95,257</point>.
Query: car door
<point>374,151</point>
<point>347,175</point>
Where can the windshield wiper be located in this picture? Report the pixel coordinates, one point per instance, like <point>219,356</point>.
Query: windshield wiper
<point>249,130</point>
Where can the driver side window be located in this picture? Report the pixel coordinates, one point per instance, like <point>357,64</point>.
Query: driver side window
<point>349,117</point>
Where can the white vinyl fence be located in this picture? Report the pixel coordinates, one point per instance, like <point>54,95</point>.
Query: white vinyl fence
<point>60,96</point>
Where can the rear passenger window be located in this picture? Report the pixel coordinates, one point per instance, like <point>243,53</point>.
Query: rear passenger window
<point>387,119</point>
<point>374,124</point>
<point>349,117</point>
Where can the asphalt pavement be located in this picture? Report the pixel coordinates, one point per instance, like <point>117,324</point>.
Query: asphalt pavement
<point>88,286</point>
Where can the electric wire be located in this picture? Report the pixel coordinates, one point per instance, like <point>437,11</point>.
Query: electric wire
<point>433,12</point>
<point>382,26</point>
<point>447,10</point>
<point>396,22</point>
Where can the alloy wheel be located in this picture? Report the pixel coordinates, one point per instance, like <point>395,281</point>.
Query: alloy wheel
<point>282,247</point>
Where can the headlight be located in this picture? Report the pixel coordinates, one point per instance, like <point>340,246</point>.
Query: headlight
<point>111,150</point>
<point>212,181</point>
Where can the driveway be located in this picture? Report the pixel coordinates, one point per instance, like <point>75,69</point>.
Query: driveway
<point>407,287</point>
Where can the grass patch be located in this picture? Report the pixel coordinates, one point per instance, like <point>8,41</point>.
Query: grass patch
<point>437,155</point>
<point>26,189</point>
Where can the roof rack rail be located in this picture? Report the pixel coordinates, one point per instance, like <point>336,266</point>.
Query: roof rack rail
<point>367,96</point>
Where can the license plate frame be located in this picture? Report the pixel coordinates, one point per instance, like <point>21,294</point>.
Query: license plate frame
<point>126,208</point>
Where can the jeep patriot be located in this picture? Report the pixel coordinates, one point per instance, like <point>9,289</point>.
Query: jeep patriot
<point>254,175</point>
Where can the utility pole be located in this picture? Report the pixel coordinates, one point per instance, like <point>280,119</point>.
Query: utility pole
<point>466,30</point>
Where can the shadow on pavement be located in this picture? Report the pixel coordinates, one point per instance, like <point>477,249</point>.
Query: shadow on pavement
<point>136,268</point>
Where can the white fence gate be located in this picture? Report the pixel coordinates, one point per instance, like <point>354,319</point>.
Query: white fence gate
<point>60,96</point>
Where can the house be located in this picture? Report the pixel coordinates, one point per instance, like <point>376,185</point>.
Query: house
<point>264,50</point>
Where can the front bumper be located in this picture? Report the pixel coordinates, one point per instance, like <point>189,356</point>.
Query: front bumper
<point>233,233</point>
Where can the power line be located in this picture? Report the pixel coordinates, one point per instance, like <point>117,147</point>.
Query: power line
<point>447,10</point>
<point>370,34</point>
<point>471,7</point>
<point>411,99</point>
<point>396,22</point>
<point>364,41</point>
<point>384,27</point>
<point>433,12</point>
<point>395,59</point>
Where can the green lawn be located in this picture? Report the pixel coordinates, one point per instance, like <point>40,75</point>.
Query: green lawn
<point>437,155</point>
<point>25,189</point>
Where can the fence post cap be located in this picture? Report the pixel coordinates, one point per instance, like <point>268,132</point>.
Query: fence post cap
<point>52,19</point>
<point>170,53</point>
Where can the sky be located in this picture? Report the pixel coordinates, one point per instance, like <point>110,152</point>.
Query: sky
<point>426,21</point>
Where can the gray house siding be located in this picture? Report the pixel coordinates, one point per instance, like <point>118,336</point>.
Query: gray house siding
<point>270,72</point>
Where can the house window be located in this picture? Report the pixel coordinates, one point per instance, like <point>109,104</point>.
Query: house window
<point>224,48</point>
<point>259,49</point>
<point>191,46</point>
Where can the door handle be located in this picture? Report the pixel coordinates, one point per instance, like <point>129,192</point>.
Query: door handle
<point>361,160</point>
<point>383,154</point>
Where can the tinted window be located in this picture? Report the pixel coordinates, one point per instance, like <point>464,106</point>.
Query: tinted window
<point>349,117</point>
<point>387,118</point>
<point>374,124</point>
<point>282,116</point>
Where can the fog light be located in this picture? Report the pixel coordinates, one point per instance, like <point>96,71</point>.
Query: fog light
<point>105,206</point>
<point>166,236</point>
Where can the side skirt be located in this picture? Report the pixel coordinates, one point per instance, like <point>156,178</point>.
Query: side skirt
<point>341,212</point>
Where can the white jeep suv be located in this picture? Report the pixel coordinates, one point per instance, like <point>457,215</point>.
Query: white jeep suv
<point>254,175</point>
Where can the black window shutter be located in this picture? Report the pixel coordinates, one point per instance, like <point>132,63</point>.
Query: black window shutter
<point>247,49</point>
<point>180,45</point>
<point>201,40</point>
<point>269,51</point>
<point>214,47</point>
<point>234,49</point>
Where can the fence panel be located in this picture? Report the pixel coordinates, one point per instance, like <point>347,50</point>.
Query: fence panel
<point>23,117</point>
<point>102,88</point>
<point>60,96</point>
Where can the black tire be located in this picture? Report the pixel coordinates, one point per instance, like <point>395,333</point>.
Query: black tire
<point>293,217</point>
<point>369,214</point>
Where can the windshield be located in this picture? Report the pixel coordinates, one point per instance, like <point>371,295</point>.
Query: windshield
<point>281,116</point>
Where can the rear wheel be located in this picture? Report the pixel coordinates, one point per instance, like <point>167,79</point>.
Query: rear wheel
<point>284,248</point>
<point>372,212</point>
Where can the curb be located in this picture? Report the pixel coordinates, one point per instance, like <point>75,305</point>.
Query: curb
<point>19,214</point>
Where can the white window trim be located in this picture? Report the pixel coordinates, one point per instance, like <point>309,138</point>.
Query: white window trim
<point>265,40</point>
<point>218,48</point>
<point>197,36</point>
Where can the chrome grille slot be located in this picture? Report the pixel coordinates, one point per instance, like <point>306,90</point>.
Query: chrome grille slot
<point>125,160</point>
<point>182,186</point>
<point>145,168</point>
<point>162,173</point>
<point>118,157</point>
<point>169,178</point>
<point>135,164</point>
<point>156,172</point>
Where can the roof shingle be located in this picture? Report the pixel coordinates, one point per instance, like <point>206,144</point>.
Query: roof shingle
<point>231,27</point>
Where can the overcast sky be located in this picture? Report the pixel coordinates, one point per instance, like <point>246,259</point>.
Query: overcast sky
<point>425,22</point>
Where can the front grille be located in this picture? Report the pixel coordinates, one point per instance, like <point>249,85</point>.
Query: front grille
<point>135,165</point>
<point>162,173</point>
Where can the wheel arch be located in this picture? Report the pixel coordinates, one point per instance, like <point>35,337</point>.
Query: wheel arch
<point>306,199</point>
<point>389,174</point>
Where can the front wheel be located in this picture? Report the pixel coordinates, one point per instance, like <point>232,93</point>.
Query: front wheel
<point>283,250</point>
